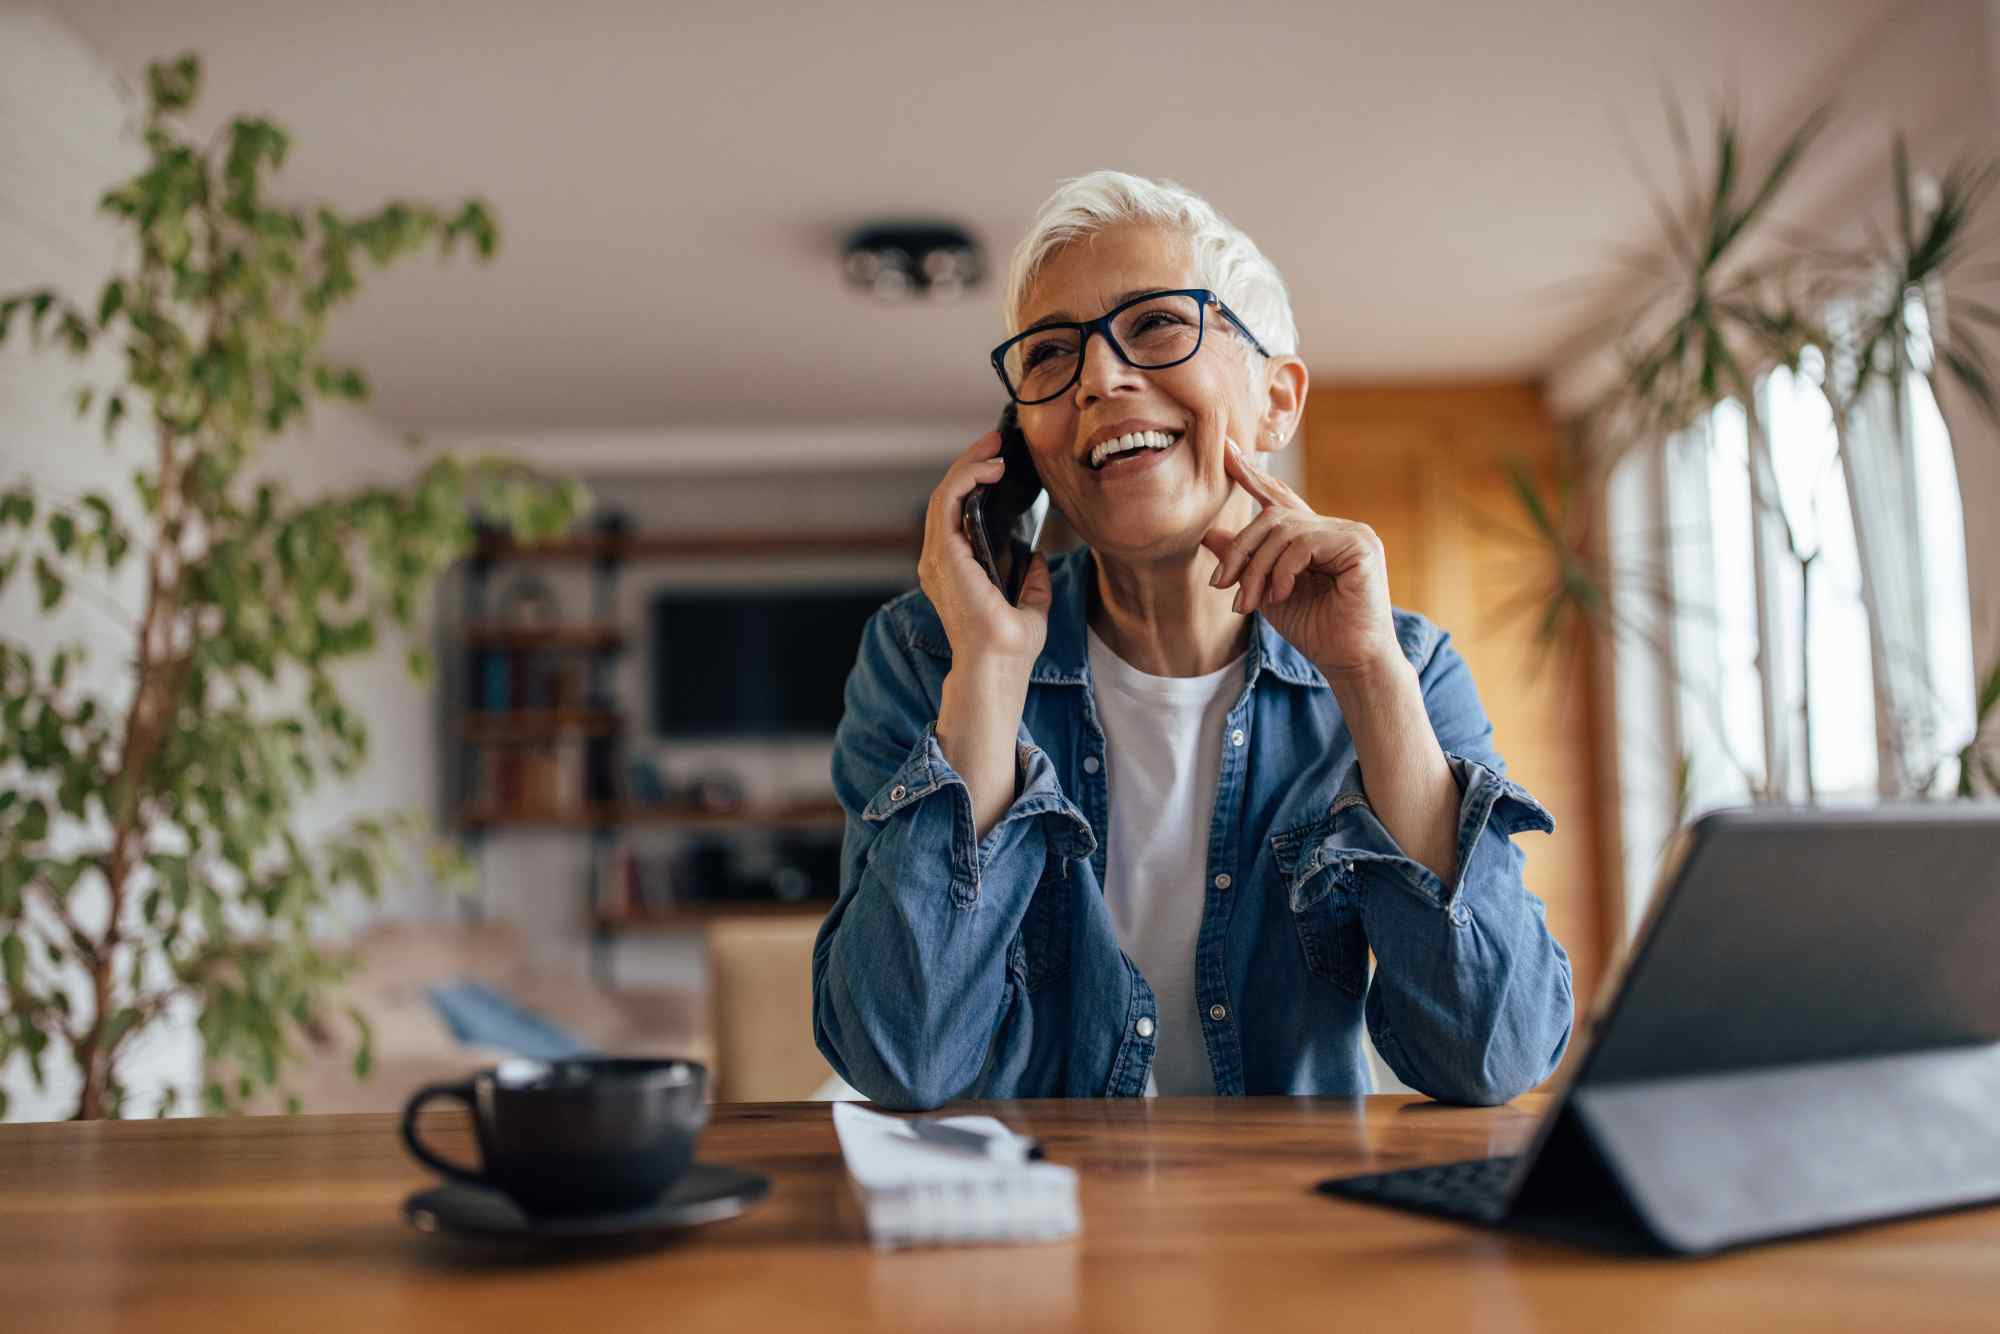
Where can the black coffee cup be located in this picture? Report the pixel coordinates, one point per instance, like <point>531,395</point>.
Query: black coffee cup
<point>585,1135</point>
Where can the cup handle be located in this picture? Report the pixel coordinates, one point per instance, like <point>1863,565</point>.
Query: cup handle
<point>462,1091</point>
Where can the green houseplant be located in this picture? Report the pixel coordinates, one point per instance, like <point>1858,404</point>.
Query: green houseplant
<point>1728,293</point>
<point>148,850</point>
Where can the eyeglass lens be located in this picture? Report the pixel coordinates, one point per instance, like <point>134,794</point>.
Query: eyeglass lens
<point>1154,333</point>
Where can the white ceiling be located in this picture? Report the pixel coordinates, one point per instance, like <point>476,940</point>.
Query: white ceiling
<point>673,182</point>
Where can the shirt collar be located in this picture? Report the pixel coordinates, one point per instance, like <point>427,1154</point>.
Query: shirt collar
<point>1065,656</point>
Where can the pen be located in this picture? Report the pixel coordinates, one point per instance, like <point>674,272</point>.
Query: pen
<point>1006,1149</point>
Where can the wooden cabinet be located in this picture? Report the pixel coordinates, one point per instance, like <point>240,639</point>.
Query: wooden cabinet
<point>1424,465</point>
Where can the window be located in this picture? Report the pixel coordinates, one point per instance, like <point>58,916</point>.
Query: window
<point>1826,688</point>
<point>1756,674</point>
<point>1947,598</point>
<point>1718,705</point>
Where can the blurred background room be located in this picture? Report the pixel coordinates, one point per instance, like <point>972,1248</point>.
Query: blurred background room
<point>1655,340</point>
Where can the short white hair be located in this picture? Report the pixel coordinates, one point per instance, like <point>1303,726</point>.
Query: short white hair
<point>1225,259</point>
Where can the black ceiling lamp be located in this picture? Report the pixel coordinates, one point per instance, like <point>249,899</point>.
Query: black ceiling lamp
<point>900,261</point>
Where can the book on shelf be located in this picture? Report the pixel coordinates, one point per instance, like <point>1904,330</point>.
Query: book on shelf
<point>495,682</point>
<point>541,680</point>
<point>613,883</point>
<point>536,688</point>
<point>504,680</point>
<point>538,778</point>
<point>569,775</point>
<point>482,776</point>
<point>600,768</point>
<point>631,887</point>
<point>533,777</point>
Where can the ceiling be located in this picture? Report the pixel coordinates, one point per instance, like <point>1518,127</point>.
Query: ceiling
<point>673,182</point>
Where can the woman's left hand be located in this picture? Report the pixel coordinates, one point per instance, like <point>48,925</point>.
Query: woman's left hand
<point>1322,582</point>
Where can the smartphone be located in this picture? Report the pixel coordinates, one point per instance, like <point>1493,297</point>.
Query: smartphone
<point>1004,521</point>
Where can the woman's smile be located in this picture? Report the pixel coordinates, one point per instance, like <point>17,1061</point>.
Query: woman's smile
<point>1129,448</point>
<point>1132,463</point>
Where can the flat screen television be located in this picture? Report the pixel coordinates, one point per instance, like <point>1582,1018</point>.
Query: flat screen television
<point>755,662</point>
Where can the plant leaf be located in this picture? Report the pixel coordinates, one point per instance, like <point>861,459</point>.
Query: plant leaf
<point>172,87</point>
<point>364,1055</point>
<point>1989,695</point>
<point>47,582</point>
<point>14,963</point>
<point>110,302</point>
<point>1906,224</point>
<point>1974,378</point>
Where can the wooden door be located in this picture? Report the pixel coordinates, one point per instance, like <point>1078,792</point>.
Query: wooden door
<point>1424,465</point>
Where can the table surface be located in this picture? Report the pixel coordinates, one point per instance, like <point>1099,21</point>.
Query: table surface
<point>1198,1214</point>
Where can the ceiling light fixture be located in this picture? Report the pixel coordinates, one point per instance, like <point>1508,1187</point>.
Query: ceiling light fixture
<point>900,260</point>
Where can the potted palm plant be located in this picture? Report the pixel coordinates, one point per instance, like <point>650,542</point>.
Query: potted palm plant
<point>1728,294</point>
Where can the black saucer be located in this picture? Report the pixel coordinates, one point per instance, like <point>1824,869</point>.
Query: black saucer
<point>708,1193</point>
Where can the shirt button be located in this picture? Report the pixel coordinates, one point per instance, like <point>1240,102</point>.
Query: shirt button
<point>1144,1028</point>
<point>896,792</point>
<point>1090,765</point>
<point>1236,737</point>
<point>1218,1012</point>
<point>1223,881</point>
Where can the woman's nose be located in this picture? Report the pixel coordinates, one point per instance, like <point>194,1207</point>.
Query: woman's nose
<point>1103,369</point>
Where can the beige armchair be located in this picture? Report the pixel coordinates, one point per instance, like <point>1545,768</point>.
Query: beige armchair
<point>760,993</point>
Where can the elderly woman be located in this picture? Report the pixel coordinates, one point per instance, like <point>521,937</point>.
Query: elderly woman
<point>1139,833</point>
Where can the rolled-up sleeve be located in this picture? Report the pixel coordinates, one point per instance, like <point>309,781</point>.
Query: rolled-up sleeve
<point>913,1002</point>
<point>1471,999</point>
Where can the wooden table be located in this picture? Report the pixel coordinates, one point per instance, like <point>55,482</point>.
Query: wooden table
<point>1198,1215</point>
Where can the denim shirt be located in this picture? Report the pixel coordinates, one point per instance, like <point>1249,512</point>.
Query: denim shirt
<point>955,966</point>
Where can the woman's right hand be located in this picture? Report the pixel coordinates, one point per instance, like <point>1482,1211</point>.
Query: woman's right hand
<point>987,633</point>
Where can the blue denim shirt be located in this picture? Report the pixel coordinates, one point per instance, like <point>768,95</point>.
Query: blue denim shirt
<point>956,966</point>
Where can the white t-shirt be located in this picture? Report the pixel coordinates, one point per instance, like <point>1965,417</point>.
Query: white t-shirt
<point>1163,739</point>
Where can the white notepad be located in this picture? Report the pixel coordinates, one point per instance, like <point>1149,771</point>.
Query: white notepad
<point>913,1193</point>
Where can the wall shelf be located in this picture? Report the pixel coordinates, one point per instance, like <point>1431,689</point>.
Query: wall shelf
<point>536,724</point>
<point>578,638</point>
<point>826,814</point>
<point>694,916</point>
<point>603,547</point>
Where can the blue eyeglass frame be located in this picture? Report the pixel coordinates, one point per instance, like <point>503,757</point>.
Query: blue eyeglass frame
<point>1102,324</point>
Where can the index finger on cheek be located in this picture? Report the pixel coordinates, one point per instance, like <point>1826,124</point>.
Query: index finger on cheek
<point>1247,476</point>
<point>1272,489</point>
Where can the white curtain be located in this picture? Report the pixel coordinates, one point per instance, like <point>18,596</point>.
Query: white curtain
<point>1909,537</point>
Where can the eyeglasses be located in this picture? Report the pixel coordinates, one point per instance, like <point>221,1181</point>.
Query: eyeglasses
<point>1150,332</point>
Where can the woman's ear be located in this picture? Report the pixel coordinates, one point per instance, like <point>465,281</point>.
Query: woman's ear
<point>1285,403</point>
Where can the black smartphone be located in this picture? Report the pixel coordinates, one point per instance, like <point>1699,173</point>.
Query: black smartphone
<point>1004,521</point>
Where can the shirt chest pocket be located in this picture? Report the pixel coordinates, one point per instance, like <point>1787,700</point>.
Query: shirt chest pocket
<point>1325,907</point>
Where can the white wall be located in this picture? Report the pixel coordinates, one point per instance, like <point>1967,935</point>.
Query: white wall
<point>1993,50</point>
<point>63,119</point>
